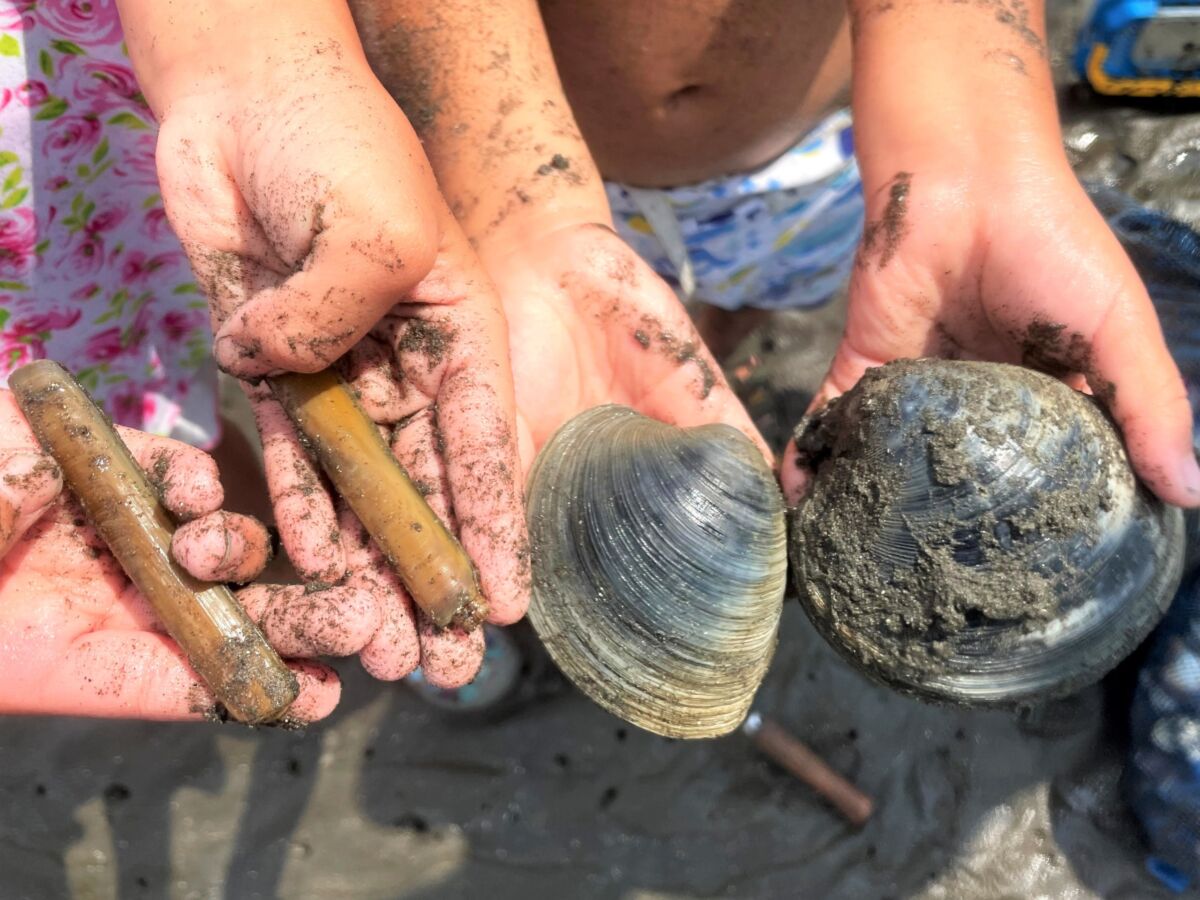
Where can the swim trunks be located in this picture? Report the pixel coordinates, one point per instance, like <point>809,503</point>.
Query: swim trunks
<point>781,237</point>
<point>91,274</point>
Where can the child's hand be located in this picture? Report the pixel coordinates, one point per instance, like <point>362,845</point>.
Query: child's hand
<point>1016,265</point>
<point>434,374</point>
<point>980,242</point>
<point>305,204</point>
<point>310,214</point>
<point>590,323</point>
<point>78,637</point>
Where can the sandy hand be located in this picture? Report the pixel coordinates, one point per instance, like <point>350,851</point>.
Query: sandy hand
<point>309,212</point>
<point>304,202</point>
<point>1022,270</point>
<point>80,639</point>
<point>434,375</point>
<point>590,323</point>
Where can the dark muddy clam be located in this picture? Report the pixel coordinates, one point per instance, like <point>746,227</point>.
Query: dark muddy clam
<point>974,534</point>
<point>660,562</point>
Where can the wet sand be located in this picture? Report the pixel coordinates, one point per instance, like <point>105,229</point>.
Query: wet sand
<point>393,798</point>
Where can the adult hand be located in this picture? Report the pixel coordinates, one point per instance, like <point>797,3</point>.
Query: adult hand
<point>1015,265</point>
<point>80,640</point>
<point>590,323</point>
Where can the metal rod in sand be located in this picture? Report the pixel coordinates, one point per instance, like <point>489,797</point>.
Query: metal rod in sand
<point>797,758</point>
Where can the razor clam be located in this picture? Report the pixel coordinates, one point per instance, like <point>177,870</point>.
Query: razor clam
<point>974,534</point>
<point>660,562</point>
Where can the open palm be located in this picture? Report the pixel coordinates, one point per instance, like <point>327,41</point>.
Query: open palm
<point>590,323</point>
<point>1024,272</point>
<point>80,640</point>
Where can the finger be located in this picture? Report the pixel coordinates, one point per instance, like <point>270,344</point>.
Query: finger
<point>338,621</point>
<point>141,675</point>
<point>794,475</point>
<point>450,657</point>
<point>222,546</point>
<point>1133,374</point>
<point>29,479</point>
<point>186,477</point>
<point>29,483</point>
<point>320,689</point>
<point>394,650</point>
<point>688,386</point>
<point>356,248</point>
<point>482,469</point>
<point>304,512</point>
<point>844,371</point>
<point>370,370</point>
<point>475,430</point>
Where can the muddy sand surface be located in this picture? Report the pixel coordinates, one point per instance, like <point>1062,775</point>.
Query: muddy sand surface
<point>393,798</point>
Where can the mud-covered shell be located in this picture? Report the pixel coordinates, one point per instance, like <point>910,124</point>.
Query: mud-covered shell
<point>975,534</point>
<point>659,563</point>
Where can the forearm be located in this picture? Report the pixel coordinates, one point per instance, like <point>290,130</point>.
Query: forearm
<point>478,82</point>
<point>958,84</point>
<point>182,46</point>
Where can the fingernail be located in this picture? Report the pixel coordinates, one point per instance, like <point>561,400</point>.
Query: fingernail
<point>235,357</point>
<point>1189,476</point>
<point>225,351</point>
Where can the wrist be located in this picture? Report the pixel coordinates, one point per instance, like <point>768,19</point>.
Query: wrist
<point>526,224</point>
<point>180,50</point>
<point>952,86</point>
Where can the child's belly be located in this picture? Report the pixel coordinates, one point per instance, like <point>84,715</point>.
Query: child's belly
<point>678,91</point>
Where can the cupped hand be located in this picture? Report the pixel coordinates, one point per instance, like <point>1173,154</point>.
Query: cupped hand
<point>303,199</point>
<point>311,217</point>
<point>434,375</point>
<point>1015,265</point>
<point>590,323</point>
<point>79,639</point>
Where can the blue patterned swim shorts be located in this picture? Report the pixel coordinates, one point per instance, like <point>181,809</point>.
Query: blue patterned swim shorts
<point>781,237</point>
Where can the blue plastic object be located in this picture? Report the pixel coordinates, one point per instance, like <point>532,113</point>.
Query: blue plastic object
<point>1142,48</point>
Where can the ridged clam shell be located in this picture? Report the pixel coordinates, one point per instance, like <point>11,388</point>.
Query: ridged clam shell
<point>975,534</point>
<point>660,562</point>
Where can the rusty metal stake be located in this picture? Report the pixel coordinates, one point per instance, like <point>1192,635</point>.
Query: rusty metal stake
<point>799,759</point>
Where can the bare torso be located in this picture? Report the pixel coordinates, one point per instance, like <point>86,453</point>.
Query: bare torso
<point>672,92</point>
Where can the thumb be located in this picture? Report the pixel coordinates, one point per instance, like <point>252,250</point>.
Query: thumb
<point>1133,373</point>
<point>847,367</point>
<point>373,239</point>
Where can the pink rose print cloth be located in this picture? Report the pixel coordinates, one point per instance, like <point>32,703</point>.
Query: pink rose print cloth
<point>90,273</point>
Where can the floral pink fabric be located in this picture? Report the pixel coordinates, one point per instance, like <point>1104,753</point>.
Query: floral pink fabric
<point>90,273</point>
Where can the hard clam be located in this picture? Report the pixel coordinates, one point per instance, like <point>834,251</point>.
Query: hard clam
<point>974,534</point>
<point>660,562</point>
